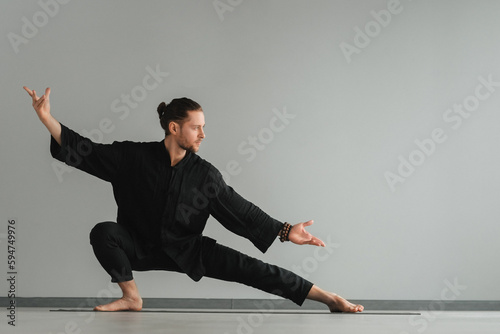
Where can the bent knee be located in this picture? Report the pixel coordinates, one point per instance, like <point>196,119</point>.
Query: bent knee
<point>102,231</point>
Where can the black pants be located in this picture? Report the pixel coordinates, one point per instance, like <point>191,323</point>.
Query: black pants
<point>115,249</point>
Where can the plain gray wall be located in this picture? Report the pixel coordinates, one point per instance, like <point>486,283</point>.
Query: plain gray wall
<point>360,89</point>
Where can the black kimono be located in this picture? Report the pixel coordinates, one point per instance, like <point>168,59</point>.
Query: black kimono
<point>165,209</point>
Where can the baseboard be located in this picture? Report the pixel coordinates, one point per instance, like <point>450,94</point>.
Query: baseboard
<point>256,304</point>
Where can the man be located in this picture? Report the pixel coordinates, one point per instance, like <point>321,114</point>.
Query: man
<point>165,193</point>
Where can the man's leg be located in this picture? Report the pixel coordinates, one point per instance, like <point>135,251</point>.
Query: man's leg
<point>227,264</point>
<point>114,247</point>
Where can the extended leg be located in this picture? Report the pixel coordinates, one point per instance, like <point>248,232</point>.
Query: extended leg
<point>230,265</point>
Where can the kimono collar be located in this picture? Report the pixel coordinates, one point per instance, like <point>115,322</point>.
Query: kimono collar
<point>181,163</point>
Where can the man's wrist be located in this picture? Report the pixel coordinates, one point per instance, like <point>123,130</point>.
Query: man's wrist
<point>54,127</point>
<point>284,232</point>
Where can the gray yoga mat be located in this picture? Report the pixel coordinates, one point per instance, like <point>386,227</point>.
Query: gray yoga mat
<point>242,311</point>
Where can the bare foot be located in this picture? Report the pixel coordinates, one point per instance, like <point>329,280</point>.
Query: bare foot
<point>334,302</point>
<point>339,304</point>
<point>122,304</point>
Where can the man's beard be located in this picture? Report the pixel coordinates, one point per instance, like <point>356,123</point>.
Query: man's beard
<point>191,148</point>
<point>185,146</point>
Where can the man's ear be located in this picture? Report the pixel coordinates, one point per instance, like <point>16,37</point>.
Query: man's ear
<point>173,127</point>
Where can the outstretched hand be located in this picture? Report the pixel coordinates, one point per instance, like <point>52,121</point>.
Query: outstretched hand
<point>40,104</point>
<point>298,235</point>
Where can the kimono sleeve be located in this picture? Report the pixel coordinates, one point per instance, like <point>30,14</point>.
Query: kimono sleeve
<point>241,216</point>
<point>100,160</point>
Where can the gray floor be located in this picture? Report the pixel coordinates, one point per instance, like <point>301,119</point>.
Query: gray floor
<point>43,320</point>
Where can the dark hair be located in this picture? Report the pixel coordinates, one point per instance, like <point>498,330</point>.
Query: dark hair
<point>175,111</point>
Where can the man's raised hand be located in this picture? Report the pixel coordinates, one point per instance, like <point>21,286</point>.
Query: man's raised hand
<point>42,107</point>
<point>298,235</point>
<point>40,104</point>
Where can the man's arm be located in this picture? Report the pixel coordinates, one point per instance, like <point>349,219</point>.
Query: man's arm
<point>245,219</point>
<point>100,160</point>
<point>241,216</point>
<point>42,107</point>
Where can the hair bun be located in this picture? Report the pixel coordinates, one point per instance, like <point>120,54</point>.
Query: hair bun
<point>161,109</point>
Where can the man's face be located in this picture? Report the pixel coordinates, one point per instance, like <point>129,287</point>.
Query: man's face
<point>191,132</point>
